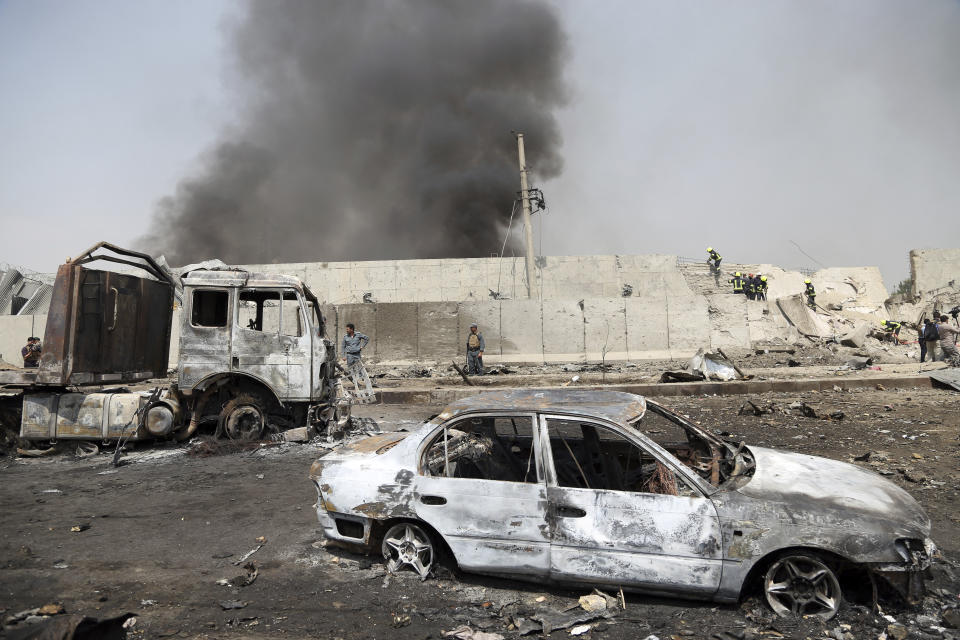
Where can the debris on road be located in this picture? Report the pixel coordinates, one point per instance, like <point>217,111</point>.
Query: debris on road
<point>464,632</point>
<point>713,366</point>
<point>228,605</point>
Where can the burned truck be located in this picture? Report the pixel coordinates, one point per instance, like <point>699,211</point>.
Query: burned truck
<point>254,354</point>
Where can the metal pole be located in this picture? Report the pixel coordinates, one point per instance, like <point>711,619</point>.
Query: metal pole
<point>527,224</point>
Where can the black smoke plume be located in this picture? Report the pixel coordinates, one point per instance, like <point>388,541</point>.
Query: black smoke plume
<point>372,130</point>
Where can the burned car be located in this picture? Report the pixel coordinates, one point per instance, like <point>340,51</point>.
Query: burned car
<point>606,488</point>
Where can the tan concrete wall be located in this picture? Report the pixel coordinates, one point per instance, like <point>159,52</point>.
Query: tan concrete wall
<point>14,331</point>
<point>933,270</point>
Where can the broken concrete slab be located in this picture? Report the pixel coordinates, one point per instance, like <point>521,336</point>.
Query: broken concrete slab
<point>856,337</point>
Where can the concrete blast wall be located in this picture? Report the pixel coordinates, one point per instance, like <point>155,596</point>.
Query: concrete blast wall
<point>587,308</point>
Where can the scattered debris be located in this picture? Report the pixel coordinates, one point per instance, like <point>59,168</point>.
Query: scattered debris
<point>87,450</point>
<point>77,528</point>
<point>70,627</point>
<point>227,605</point>
<point>681,376</point>
<point>260,542</point>
<point>464,632</point>
<point>593,603</point>
<point>713,366</point>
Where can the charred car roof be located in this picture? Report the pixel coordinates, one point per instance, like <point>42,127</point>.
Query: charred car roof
<point>615,406</point>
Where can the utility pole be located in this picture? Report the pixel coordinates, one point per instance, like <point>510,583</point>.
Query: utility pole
<point>527,224</point>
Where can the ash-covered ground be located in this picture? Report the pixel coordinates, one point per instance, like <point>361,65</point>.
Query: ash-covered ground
<point>159,535</point>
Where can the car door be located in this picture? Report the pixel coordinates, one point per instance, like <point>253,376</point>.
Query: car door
<point>257,346</point>
<point>481,487</point>
<point>620,512</point>
<point>295,340</point>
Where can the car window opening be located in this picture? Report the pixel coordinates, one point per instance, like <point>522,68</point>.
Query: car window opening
<point>587,456</point>
<point>484,448</point>
<point>712,459</point>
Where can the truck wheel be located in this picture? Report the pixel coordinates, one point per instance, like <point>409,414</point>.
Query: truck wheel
<point>243,418</point>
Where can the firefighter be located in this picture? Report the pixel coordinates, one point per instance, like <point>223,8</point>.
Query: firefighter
<point>761,287</point>
<point>811,294</point>
<point>737,282</point>
<point>713,259</point>
<point>748,287</point>
<point>892,328</point>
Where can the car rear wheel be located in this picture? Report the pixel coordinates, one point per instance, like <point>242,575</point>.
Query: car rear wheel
<point>802,584</point>
<point>408,545</point>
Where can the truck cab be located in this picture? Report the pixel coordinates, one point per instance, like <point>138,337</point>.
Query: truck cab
<point>260,335</point>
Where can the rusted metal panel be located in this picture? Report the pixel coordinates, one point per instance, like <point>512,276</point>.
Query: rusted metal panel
<point>39,417</point>
<point>106,326</point>
<point>91,416</point>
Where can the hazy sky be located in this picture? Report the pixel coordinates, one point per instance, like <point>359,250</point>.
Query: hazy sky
<point>741,125</point>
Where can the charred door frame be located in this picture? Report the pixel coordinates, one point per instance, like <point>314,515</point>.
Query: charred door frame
<point>666,573</point>
<point>496,553</point>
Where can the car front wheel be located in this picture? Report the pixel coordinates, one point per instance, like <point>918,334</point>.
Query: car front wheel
<point>802,584</point>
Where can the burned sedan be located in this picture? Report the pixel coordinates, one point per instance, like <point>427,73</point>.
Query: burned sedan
<point>606,488</point>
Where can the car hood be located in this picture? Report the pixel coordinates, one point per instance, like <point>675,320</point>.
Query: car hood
<point>809,483</point>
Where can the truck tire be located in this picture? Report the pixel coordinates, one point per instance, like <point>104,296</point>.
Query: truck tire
<point>243,418</point>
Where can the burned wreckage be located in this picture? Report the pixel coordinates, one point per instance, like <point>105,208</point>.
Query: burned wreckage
<point>254,354</point>
<point>607,488</point>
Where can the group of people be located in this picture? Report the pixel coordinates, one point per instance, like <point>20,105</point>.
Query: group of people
<point>354,342</point>
<point>938,332</point>
<point>754,286</point>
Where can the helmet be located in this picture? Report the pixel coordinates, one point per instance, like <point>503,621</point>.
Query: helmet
<point>709,248</point>
<point>763,278</point>
<point>749,275</point>
<point>883,322</point>
<point>737,274</point>
<point>807,281</point>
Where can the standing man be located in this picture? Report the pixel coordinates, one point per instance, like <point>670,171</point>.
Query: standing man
<point>749,287</point>
<point>761,287</point>
<point>353,343</point>
<point>737,282</point>
<point>475,347</point>
<point>31,353</point>
<point>929,340</point>
<point>811,294</point>
<point>948,342</point>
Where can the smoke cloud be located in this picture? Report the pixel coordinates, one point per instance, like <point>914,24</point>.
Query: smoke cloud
<point>373,130</point>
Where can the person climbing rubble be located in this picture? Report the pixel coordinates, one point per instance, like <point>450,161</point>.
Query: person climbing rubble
<point>811,294</point>
<point>948,342</point>
<point>737,282</point>
<point>713,259</point>
<point>892,329</point>
<point>749,287</point>
<point>475,347</point>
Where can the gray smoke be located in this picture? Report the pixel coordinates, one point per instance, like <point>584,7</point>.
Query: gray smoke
<point>373,130</point>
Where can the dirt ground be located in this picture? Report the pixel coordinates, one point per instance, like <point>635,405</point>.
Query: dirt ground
<point>157,534</point>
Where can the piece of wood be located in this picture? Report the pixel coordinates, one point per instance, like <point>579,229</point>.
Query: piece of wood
<point>462,374</point>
